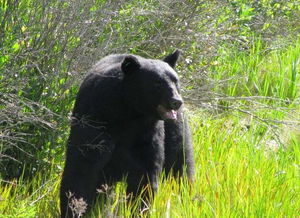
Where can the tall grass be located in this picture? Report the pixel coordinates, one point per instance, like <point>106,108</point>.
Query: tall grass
<point>244,168</point>
<point>259,71</point>
<point>237,175</point>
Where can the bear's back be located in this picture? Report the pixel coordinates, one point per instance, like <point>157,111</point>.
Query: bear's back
<point>100,91</point>
<point>109,65</point>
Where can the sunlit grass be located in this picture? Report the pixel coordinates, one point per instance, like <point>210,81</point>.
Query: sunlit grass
<point>260,71</point>
<point>237,175</point>
<point>243,169</point>
<point>30,198</point>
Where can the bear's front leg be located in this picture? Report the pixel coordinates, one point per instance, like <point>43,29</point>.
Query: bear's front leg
<point>78,187</point>
<point>155,154</point>
<point>179,152</point>
<point>149,155</point>
<point>88,151</point>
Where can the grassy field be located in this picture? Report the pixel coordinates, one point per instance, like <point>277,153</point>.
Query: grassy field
<point>245,166</point>
<point>246,124</point>
<point>240,172</point>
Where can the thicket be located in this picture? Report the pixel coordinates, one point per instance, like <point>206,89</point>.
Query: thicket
<point>46,46</point>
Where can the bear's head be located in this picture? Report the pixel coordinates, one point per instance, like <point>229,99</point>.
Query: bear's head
<point>152,86</point>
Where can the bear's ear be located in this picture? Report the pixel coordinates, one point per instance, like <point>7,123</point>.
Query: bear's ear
<point>130,64</point>
<point>171,59</point>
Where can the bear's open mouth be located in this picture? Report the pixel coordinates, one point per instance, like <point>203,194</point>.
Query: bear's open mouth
<point>167,114</point>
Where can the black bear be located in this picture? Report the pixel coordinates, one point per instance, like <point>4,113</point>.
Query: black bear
<point>127,122</point>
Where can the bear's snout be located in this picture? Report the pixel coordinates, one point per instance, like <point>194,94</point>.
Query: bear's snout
<point>175,103</point>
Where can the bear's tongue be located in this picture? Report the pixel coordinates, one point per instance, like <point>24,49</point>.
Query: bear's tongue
<point>167,114</point>
<point>171,114</point>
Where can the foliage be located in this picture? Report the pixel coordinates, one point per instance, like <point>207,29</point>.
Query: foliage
<point>240,68</point>
<point>240,172</point>
<point>46,46</point>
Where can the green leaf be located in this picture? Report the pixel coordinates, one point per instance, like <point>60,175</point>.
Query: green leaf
<point>16,46</point>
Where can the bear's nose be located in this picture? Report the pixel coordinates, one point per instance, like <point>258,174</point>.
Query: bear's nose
<point>175,103</point>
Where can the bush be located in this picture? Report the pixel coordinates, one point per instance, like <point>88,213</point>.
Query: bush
<point>47,46</point>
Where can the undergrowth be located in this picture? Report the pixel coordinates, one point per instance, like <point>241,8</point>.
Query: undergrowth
<point>238,174</point>
<point>245,132</point>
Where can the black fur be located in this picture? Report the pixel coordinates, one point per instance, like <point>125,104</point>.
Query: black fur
<point>120,128</point>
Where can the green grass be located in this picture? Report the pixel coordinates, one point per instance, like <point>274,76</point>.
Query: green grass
<point>246,166</point>
<point>259,71</point>
<point>242,168</point>
<point>237,175</point>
